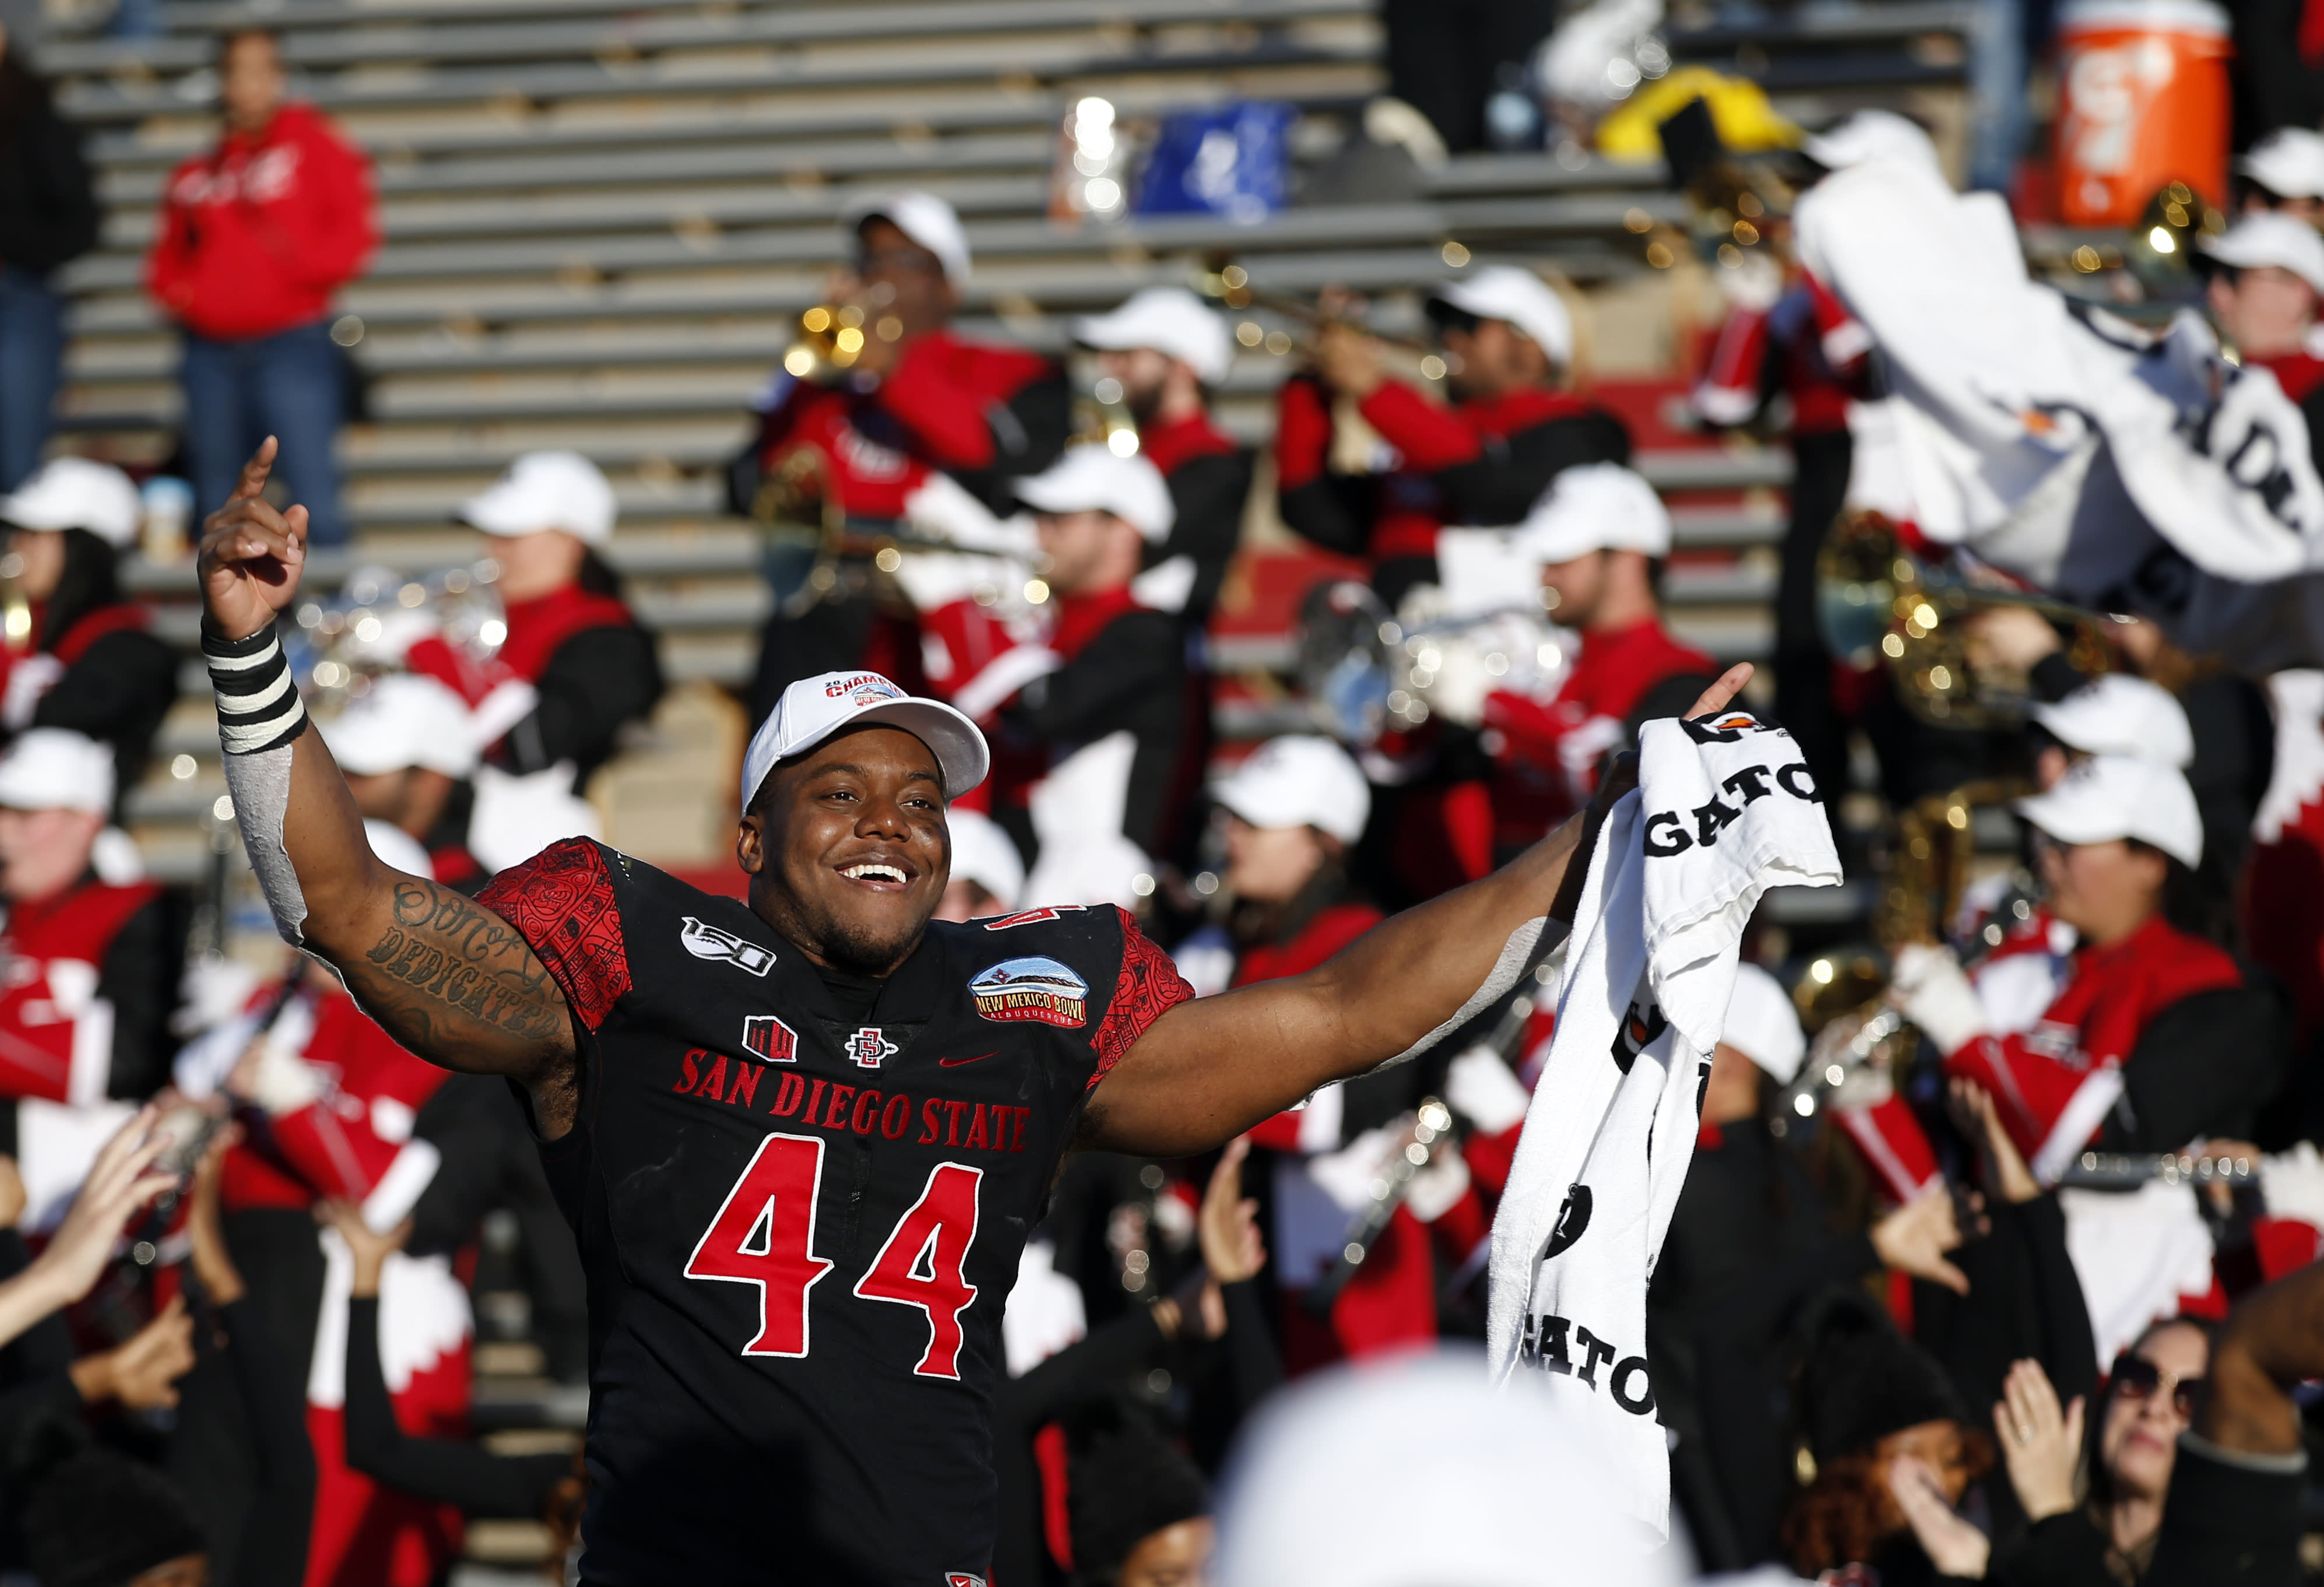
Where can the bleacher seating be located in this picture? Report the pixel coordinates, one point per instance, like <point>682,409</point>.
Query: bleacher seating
<point>603,216</point>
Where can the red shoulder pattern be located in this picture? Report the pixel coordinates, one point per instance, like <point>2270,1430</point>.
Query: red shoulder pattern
<point>561,901</point>
<point>1148,987</point>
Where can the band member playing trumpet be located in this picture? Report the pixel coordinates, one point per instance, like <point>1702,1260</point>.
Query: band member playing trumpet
<point>1513,424</point>
<point>1166,352</point>
<point>913,401</point>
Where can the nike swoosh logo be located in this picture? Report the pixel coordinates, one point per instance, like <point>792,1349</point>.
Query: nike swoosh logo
<point>957,1062</point>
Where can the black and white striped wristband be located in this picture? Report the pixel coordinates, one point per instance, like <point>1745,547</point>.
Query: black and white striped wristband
<point>258,704</point>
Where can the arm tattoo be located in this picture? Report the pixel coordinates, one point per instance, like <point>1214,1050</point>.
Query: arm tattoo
<point>452,981</point>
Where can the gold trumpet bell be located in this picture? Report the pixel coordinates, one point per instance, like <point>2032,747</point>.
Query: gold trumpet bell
<point>1876,603</point>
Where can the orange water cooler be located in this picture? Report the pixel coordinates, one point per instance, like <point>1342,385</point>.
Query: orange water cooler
<point>2142,102</point>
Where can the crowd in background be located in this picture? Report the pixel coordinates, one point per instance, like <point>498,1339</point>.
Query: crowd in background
<point>1900,1330</point>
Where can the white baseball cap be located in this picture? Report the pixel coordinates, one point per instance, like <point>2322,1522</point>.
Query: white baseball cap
<point>54,769</point>
<point>1090,477</point>
<point>983,853</point>
<point>2288,162</point>
<point>1763,1024</point>
<point>1521,297</point>
<point>2270,238</point>
<point>2116,714</point>
<point>404,719</point>
<point>1596,507</point>
<point>925,218</point>
<point>548,490</point>
<point>1513,1490</point>
<point>1299,780</point>
<point>2109,797</point>
<point>1168,319</point>
<point>74,493</point>
<point>813,708</point>
<point>1869,135</point>
<point>398,850</point>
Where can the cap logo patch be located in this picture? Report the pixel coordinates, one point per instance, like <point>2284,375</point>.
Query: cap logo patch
<point>708,942</point>
<point>1037,988</point>
<point>769,1039</point>
<point>862,688</point>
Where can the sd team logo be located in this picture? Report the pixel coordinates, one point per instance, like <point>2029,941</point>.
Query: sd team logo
<point>1034,989</point>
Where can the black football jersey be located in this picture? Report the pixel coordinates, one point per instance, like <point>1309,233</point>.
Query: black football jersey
<point>800,1229</point>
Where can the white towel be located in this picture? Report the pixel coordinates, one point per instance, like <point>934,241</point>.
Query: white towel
<point>1724,810</point>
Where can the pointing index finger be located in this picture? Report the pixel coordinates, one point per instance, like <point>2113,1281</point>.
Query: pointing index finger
<point>254,471</point>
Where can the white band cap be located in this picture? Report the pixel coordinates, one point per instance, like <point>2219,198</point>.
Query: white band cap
<point>985,855</point>
<point>74,493</point>
<point>814,708</point>
<point>1763,1024</point>
<point>548,490</point>
<point>2288,162</point>
<point>1092,478</point>
<point>1869,135</point>
<point>2269,238</point>
<point>1521,297</point>
<point>53,768</point>
<point>1170,320</point>
<point>2111,796</point>
<point>403,720</point>
<point>1596,507</point>
<point>2119,715</point>
<point>1299,780</point>
<point>925,218</point>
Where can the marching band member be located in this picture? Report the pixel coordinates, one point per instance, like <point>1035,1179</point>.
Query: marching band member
<point>1168,354</point>
<point>2284,172</point>
<point>988,873</point>
<point>406,745</point>
<point>1513,425</point>
<point>1090,712</point>
<point>1599,532</point>
<point>922,421</point>
<point>2266,277</point>
<point>2158,1038</point>
<point>90,663</point>
<point>91,968</point>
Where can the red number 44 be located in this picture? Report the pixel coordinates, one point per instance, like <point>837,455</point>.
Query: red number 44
<point>763,1230</point>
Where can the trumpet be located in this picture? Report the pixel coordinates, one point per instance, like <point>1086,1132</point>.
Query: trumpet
<point>15,607</point>
<point>1876,601</point>
<point>1229,286</point>
<point>831,338</point>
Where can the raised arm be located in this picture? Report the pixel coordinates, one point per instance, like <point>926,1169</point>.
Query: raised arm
<point>450,980</point>
<point>1213,1067</point>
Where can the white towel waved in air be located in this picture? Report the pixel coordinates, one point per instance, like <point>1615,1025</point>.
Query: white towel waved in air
<point>1724,810</point>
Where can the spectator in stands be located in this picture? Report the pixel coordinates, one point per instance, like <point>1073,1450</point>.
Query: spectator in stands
<point>254,238</point>
<point>88,661</point>
<point>2151,1014</point>
<point>1095,709</point>
<point>1600,534</point>
<point>1749,1245</point>
<point>2109,1537</point>
<point>2235,1509</point>
<point>2266,277</point>
<point>86,1012</point>
<point>570,635</point>
<point>1877,1416</point>
<point>924,424</point>
<point>988,873</point>
<point>47,217</point>
<point>1167,353</point>
<point>1512,426</point>
<point>2284,171</point>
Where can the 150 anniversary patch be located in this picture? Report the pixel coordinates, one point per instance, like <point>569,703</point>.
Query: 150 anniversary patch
<point>1036,989</point>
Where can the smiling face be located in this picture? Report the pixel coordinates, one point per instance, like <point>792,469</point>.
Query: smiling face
<point>846,848</point>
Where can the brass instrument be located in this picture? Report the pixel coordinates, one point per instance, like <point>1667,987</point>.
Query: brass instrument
<point>341,645</point>
<point>15,607</point>
<point>1857,1043</point>
<point>1427,1131</point>
<point>831,336</point>
<point>1876,601</point>
<point>1229,286</point>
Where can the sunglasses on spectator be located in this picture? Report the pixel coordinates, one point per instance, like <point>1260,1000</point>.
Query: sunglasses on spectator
<point>2136,1377</point>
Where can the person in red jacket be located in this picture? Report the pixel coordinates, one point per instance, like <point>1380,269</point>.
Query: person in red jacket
<point>1164,354</point>
<point>256,237</point>
<point>1599,533</point>
<point>1484,460</point>
<point>923,425</point>
<point>2158,1038</point>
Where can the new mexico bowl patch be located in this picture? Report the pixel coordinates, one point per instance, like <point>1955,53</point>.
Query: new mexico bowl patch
<point>1035,989</point>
